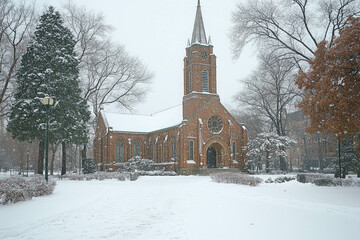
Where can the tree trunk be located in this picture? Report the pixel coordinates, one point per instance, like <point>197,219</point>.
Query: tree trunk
<point>339,148</point>
<point>83,155</point>
<point>63,163</point>
<point>321,164</point>
<point>40,168</point>
<point>283,166</point>
<point>53,151</point>
<point>267,162</point>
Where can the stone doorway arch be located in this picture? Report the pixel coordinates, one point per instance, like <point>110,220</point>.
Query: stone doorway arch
<point>215,156</point>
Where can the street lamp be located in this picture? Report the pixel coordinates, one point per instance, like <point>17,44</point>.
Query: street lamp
<point>47,101</point>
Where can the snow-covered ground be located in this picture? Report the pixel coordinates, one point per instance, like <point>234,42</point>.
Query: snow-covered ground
<point>184,207</point>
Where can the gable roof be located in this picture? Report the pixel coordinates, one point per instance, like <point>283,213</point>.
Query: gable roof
<point>135,123</point>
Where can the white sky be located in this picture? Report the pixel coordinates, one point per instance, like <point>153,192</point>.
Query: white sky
<point>156,31</point>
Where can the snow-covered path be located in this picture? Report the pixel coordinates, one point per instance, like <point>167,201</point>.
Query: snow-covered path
<point>184,208</point>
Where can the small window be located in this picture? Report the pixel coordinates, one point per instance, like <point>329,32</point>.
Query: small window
<point>154,152</point>
<point>205,81</point>
<point>234,150</point>
<point>189,83</point>
<point>120,151</point>
<point>191,150</point>
<point>173,147</point>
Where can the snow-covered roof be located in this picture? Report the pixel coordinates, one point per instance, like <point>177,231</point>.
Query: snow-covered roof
<point>122,122</point>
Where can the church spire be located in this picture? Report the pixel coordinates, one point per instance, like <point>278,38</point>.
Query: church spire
<point>199,35</point>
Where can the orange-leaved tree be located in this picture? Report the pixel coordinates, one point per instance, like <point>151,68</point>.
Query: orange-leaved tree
<point>332,84</point>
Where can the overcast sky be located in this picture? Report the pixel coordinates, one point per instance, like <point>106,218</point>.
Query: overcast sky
<point>156,31</point>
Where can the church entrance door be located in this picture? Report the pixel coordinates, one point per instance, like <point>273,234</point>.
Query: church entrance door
<point>211,157</point>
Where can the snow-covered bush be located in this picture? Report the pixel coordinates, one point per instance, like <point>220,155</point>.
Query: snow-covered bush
<point>236,178</point>
<point>77,177</point>
<point>284,179</point>
<point>331,182</point>
<point>157,173</point>
<point>98,176</point>
<point>89,166</point>
<point>269,180</point>
<point>310,177</point>
<point>138,164</point>
<point>327,180</point>
<point>15,189</point>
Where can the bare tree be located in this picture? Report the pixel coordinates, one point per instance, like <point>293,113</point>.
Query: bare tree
<point>269,90</point>
<point>292,28</point>
<point>16,22</point>
<point>254,123</point>
<point>108,74</point>
<point>114,77</point>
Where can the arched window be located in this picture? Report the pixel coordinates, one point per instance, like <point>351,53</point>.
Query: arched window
<point>163,152</point>
<point>154,152</point>
<point>205,81</point>
<point>120,151</point>
<point>136,148</point>
<point>173,148</point>
<point>189,83</point>
<point>234,150</point>
<point>191,150</point>
<point>150,151</point>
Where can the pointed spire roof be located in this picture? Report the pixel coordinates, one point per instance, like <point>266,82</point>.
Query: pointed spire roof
<point>199,35</point>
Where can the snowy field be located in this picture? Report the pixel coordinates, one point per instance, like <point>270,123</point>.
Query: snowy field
<point>183,207</point>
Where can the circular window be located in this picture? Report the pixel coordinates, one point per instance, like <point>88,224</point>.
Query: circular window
<point>215,124</point>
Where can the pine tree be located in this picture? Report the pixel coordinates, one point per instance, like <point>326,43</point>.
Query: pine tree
<point>49,68</point>
<point>269,146</point>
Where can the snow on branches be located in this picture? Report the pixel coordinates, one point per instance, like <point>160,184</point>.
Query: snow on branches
<point>268,147</point>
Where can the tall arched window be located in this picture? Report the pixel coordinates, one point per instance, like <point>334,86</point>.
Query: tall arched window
<point>191,150</point>
<point>136,148</point>
<point>120,151</point>
<point>173,148</point>
<point>234,150</point>
<point>154,152</point>
<point>150,151</point>
<point>189,83</point>
<point>205,81</point>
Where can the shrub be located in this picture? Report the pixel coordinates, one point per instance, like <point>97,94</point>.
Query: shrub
<point>157,173</point>
<point>15,189</point>
<point>98,176</point>
<point>284,179</point>
<point>138,164</point>
<point>236,178</point>
<point>269,180</point>
<point>134,176</point>
<point>89,166</point>
<point>323,182</point>
<point>326,180</point>
<point>310,177</point>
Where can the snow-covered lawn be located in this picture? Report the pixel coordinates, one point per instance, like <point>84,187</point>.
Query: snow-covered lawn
<point>183,207</point>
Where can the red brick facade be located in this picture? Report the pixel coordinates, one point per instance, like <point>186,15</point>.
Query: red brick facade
<point>193,143</point>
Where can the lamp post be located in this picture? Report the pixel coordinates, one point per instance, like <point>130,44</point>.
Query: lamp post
<point>47,101</point>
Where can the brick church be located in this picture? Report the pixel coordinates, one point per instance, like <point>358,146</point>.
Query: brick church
<point>199,133</point>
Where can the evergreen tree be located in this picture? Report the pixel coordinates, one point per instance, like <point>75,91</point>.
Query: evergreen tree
<point>267,146</point>
<point>49,68</point>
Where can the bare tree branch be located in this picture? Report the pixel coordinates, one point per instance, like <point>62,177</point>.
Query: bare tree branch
<point>292,27</point>
<point>270,90</point>
<point>16,23</point>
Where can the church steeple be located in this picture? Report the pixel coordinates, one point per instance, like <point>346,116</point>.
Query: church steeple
<point>199,70</point>
<point>199,35</point>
